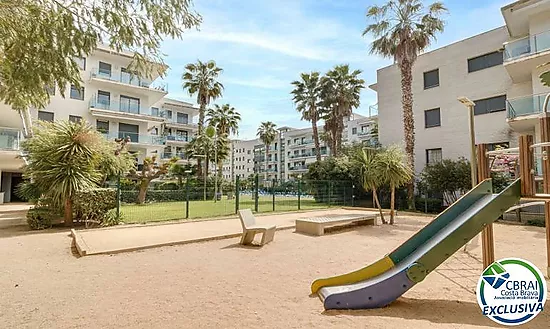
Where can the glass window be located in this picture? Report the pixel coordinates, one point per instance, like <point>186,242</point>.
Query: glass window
<point>104,69</point>
<point>490,105</point>
<point>168,114</point>
<point>127,130</point>
<point>103,99</point>
<point>81,62</point>
<point>129,77</point>
<point>155,111</point>
<point>431,79</point>
<point>129,104</point>
<point>434,155</point>
<point>498,146</point>
<point>102,126</point>
<point>485,61</point>
<point>77,93</point>
<point>45,116</point>
<point>75,118</point>
<point>432,118</point>
<point>354,131</point>
<point>182,118</point>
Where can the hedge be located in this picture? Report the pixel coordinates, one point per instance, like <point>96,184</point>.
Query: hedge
<point>94,204</point>
<point>195,193</point>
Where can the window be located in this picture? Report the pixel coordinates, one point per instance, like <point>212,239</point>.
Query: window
<point>182,118</point>
<point>155,131</point>
<point>50,90</point>
<point>129,104</point>
<point>81,62</point>
<point>248,152</point>
<point>434,156</point>
<point>75,118</point>
<point>45,116</point>
<point>354,131</point>
<point>485,61</point>
<point>77,93</point>
<point>102,126</point>
<point>104,69</point>
<point>431,79</point>
<point>432,118</point>
<point>155,111</point>
<point>103,99</point>
<point>498,146</point>
<point>168,114</point>
<point>127,130</point>
<point>490,105</point>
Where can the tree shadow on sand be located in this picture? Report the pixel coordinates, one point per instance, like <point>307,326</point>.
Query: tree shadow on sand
<point>438,311</point>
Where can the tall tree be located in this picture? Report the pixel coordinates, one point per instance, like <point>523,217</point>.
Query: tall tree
<point>402,29</point>
<point>150,170</point>
<point>341,92</point>
<point>307,93</point>
<point>267,134</point>
<point>225,119</point>
<point>393,169</point>
<point>201,78</point>
<point>39,40</point>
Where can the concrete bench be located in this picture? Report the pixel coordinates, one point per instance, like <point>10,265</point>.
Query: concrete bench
<point>317,225</point>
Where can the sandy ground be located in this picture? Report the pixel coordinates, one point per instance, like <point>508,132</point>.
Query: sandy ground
<point>218,284</point>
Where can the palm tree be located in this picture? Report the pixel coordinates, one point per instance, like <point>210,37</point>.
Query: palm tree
<point>341,92</point>
<point>393,169</point>
<point>225,119</point>
<point>267,134</point>
<point>402,29</point>
<point>201,78</point>
<point>371,178</point>
<point>307,93</point>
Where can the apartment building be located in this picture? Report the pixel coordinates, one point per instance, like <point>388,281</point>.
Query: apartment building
<point>496,69</point>
<point>240,163</point>
<point>119,103</point>
<point>300,152</point>
<point>362,129</point>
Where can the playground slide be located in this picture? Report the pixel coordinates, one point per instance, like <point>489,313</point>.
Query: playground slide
<point>384,281</point>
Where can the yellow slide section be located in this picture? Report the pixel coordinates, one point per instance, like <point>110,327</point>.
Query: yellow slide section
<point>365,273</point>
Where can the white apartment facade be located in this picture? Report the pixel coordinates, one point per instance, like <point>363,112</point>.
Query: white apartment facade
<point>241,160</point>
<point>117,103</point>
<point>496,69</point>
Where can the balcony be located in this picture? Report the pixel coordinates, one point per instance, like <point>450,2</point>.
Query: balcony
<point>137,138</point>
<point>170,155</point>
<point>297,168</point>
<point>114,109</point>
<point>302,143</point>
<point>523,55</point>
<point>125,81</point>
<point>522,113</point>
<point>10,139</point>
<point>177,138</point>
<point>178,123</point>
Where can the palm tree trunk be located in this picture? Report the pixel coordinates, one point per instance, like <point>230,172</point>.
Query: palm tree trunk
<point>26,120</point>
<point>377,204</point>
<point>202,108</point>
<point>68,214</point>
<point>392,203</point>
<point>408,123</point>
<point>266,154</point>
<point>316,138</point>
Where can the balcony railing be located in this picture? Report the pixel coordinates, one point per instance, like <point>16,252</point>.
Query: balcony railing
<point>297,168</point>
<point>10,139</point>
<point>527,105</point>
<point>175,120</point>
<point>137,138</point>
<point>170,155</point>
<point>529,45</point>
<point>121,107</point>
<point>127,78</point>
<point>304,142</point>
<point>177,138</point>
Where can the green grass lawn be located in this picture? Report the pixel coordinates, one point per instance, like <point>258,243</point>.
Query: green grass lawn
<point>162,211</point>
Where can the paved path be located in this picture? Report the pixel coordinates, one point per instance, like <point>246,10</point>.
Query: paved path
<point>123,239</point>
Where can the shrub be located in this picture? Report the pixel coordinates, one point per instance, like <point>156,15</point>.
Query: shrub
<point>111,218</point>
<point>39,218</point>
<point>167,186</point>
<point>540,222</point>
<point>430,205</point>
<point>94,204</point>
<point>127,184</point>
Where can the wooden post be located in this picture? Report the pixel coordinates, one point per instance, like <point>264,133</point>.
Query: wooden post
<point>526,164</point>
<point>487,235</point>
<point>547,221</point>
<point>545,137</point>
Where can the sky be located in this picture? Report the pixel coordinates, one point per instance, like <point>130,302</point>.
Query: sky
<point>264,45</point>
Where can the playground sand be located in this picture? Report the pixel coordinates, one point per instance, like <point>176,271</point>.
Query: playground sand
<point>219,284</point>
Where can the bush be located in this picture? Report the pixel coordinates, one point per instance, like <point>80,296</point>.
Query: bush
<point>127,184</point>
<point>111,218</point>
<point>432,205</point>
<point>540,222</point>
<point>39,218</point>
<point>167,186</point>
<point>94,204</point>
<point>195,193</point>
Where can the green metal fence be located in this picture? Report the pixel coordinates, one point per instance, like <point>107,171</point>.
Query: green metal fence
<point>197,200</point>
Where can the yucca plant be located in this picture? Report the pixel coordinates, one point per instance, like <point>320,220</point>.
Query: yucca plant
<point>370,175</point>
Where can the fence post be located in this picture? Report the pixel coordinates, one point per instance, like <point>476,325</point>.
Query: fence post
<point>118,197</point>
<point>299,191</point>
<point>237,190</point>
<point>352,194</point>
<point>256,196</point>
<point>273,192</point>
<point>187,197</point>
<point>329,192</point>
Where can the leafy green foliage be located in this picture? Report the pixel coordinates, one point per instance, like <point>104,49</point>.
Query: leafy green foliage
<point>39,218</point>
<point>40,38</point>
<point>92,205</point>
<point>150,170</point>
<point>451,178</point>
<point>545,76</point>
<point>28,191</point>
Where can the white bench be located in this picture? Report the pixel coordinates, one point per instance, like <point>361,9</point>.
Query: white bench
<point>317,225</point>
<point>251,228</point>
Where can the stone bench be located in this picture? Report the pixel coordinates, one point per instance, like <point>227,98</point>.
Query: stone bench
<point>317,225</point>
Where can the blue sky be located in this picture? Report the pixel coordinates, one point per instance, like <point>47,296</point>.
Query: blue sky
<point>263,45</point>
